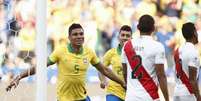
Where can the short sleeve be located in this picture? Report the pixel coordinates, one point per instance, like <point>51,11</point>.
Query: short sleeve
<point>194,59</point>
<point>94,59</point>
<point>107,58</point>
<point>54,56</point>
<point>160,54</point>
<point>200,53</point>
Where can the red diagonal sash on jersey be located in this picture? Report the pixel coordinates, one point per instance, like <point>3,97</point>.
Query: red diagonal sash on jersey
<point>145,80</point>
<point>180,73</point>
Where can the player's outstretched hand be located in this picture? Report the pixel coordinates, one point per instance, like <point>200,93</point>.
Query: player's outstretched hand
<point>14,83</point>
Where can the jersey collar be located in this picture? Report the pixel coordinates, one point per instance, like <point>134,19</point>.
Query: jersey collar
<point>189,43</point>
<point>119,49</point>
<point>146,36</point>
<point>71,50</point>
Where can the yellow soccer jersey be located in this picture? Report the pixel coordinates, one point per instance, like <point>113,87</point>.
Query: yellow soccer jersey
<point>113,57</point>
<point>72,70</point>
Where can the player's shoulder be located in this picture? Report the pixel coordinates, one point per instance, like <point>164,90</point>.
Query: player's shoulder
<point>112,50</point>
<point>88,50</point>
<point>189,46</point>
<point>60,47</point>
<point>192,47</point>
<point>157,44</point>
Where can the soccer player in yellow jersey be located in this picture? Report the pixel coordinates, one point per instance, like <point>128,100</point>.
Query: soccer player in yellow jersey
<point>72,60</point>
<point>113,57</point>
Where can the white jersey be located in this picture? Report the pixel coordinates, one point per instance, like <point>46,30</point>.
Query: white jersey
<point>190,57</point>
<point>151,52</point>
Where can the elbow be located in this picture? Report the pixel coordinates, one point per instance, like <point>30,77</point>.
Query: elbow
<point>105,71</point>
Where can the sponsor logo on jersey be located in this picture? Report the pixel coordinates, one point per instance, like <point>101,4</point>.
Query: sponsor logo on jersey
<point>85,60</point>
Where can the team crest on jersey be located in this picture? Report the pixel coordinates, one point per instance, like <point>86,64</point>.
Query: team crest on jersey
<point>85,60</point>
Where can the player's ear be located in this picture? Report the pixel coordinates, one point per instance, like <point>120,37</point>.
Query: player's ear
<point>138,27</point>
<point>69,37</point>
<point>153,28</point>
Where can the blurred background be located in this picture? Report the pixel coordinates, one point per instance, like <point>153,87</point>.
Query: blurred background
<point>101,20</point>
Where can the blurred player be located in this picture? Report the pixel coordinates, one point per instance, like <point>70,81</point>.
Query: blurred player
<point>113,57</point>
<point>73,61</point>
<point>143,64</point>
<point>187,66</point>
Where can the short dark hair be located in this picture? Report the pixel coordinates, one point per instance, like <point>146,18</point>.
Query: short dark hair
<point>74,26</point>
<point>125,28</point>
<point>146,23</point>
<point>188,30</point>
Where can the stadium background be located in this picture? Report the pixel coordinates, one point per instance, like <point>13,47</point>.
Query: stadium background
<point>101,20</point>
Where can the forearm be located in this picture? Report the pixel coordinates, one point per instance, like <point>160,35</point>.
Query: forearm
<point>193,81</point>
<point>107,72</point>
<point>102,78</point>
<point>26,73</point>
<point>125,77</point>
<point>195,88</point>
<point>32,70</point>
<point>163,85</point>
<point>125,72</point>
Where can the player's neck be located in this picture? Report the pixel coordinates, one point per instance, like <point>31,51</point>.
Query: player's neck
<point>147,34</point>
<point>190,41</point>
<point>76,49</point>
<point>121,45</point>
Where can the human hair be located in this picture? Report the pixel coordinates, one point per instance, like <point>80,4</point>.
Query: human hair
<point>125,28</point>
<point>188,30</point>
<point>74,26</point>
<point>146,24</point>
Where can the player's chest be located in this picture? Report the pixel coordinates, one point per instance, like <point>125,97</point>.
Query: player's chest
<point>116,61</point>
<point>69,60</point>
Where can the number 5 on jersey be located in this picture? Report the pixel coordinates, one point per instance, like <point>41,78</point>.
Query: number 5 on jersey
<point>76,69</point>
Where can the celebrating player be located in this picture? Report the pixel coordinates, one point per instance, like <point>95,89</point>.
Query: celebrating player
<point>73,61</point>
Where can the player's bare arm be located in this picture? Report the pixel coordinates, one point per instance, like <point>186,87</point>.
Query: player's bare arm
<point>162,80</point>
<point>14,83</point>
<point>103,81</point>
<point>107,72</point>
<point>194,82</point>
<point>124,72</point>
